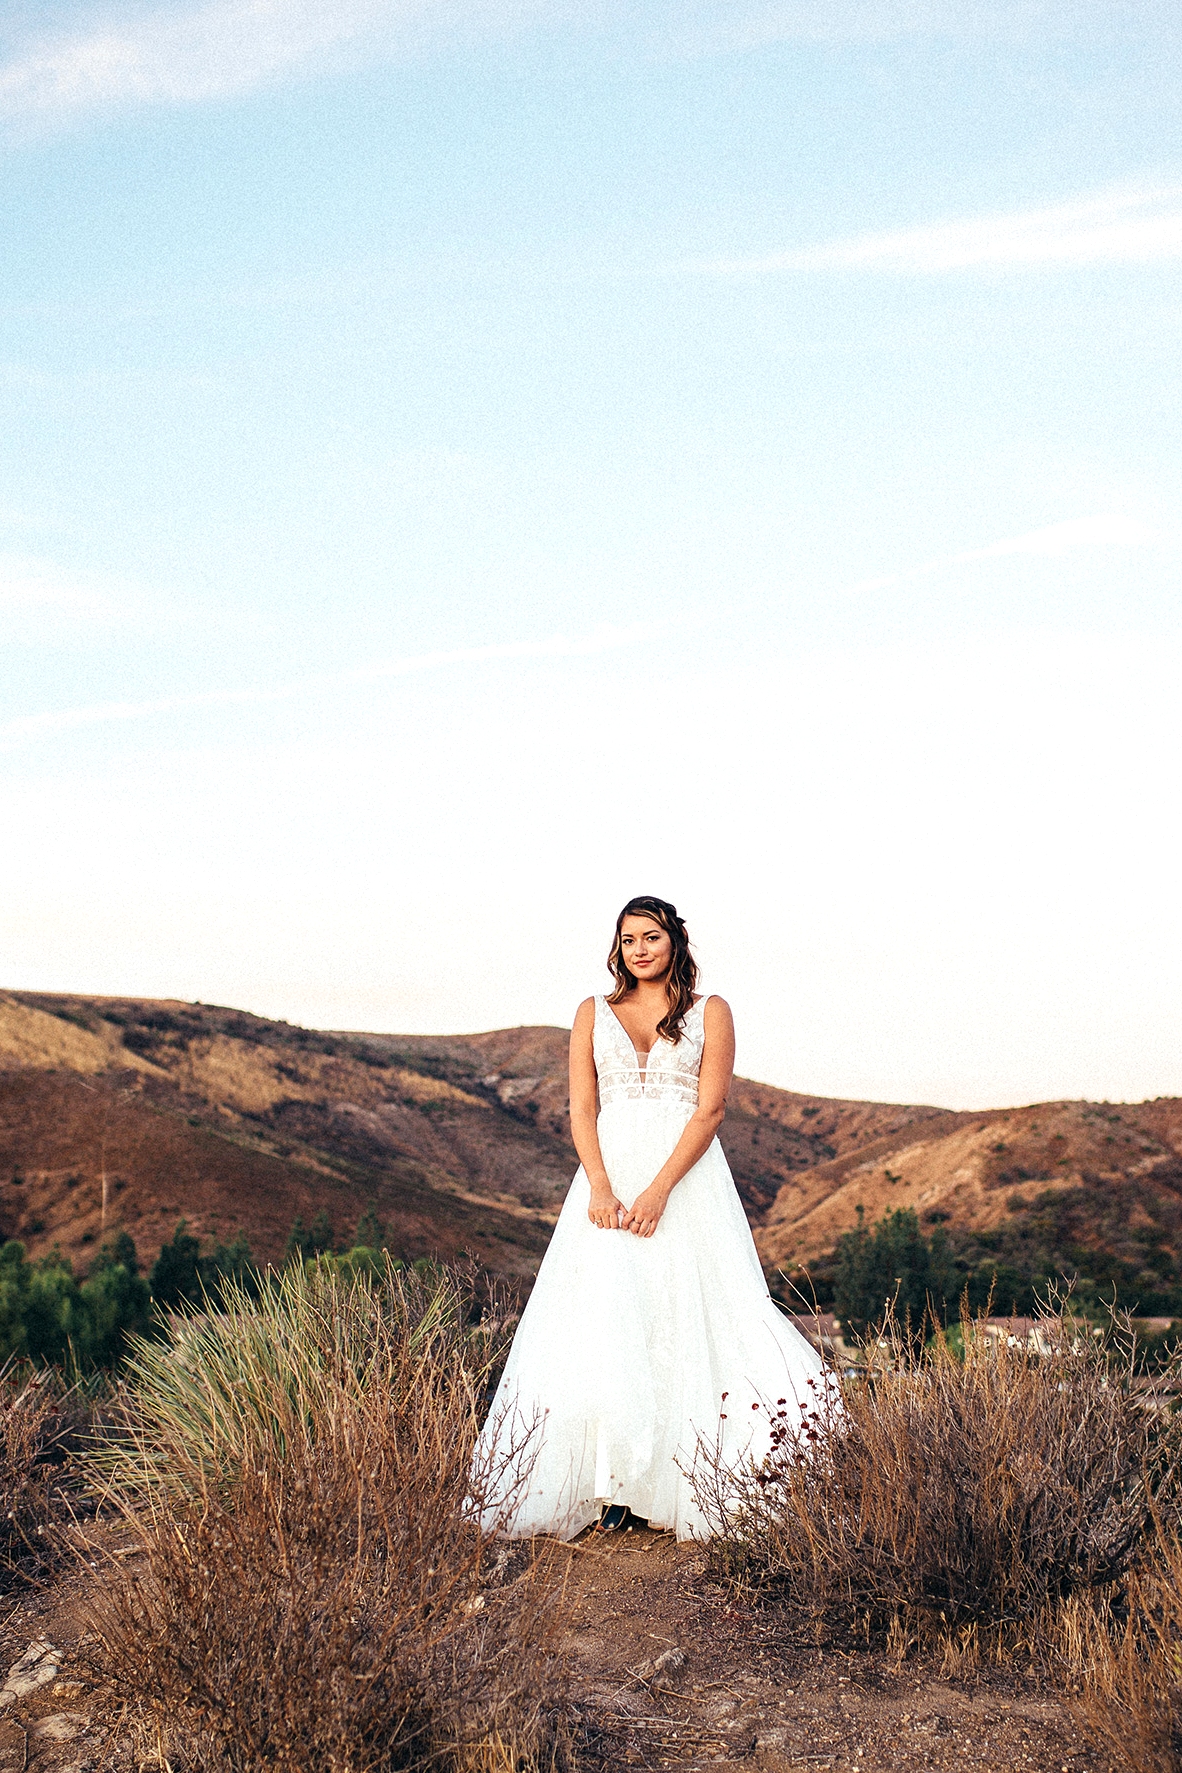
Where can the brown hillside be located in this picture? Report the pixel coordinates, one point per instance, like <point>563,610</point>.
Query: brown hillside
<point>977,1170</point>
<point>234,1122</point>
<point>769,1134</point>
<point>461,1143</point>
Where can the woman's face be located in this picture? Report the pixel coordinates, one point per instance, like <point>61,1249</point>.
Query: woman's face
<point>647,949</point>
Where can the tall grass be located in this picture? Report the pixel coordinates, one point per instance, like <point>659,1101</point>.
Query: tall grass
<point>952,1498</point>
<point>313,1588</point>
<point>38,1424</point>
<point>1121,1654</point>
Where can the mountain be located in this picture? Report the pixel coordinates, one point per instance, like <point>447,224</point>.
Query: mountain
<point>233,1122</point>
<point>461,1144</point>
<point>1087,1188</point>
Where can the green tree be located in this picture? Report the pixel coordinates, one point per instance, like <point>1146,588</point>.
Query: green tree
<point>14,1294</point>
<point>298,1247</point>
<point>181,1275</point>
<point>232,1261</point>
<point>47,1316</point>
<point>306,1242</point>
<point>116,1303</point>
<point>370,1233</point>
<point>320,1238</point>
<point>176,1272</point>
<point>852,1299</point>
<point>54,1314</point>
<point>120,1251</point>
<point>893,1265</point>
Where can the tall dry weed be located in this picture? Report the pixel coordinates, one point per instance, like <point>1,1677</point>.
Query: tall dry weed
<point>953,1496</point>
<point>39,1424</point>
<point>1120,1652</point>
<point>313,1588</point>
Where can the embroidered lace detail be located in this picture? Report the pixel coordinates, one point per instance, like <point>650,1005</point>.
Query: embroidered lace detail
<point>670,1073</point>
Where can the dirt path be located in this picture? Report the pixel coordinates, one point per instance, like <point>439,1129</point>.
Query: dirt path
<point>687,1679</point>
<point>676,1674</point>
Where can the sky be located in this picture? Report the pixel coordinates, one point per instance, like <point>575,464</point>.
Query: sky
<point>464,465</point>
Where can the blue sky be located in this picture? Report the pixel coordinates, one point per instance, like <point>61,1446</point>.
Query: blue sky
<point>464,465</point>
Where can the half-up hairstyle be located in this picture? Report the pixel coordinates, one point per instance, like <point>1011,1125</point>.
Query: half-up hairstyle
<point>682,976</point>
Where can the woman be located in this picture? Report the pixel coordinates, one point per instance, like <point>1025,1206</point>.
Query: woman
<point>650,1328</point>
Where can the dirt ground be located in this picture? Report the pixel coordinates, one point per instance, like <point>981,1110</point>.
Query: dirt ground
<point>735,1684</point>
<point>672,1672</point>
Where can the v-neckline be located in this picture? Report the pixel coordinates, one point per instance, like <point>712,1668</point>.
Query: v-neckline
<point>642,1059</point>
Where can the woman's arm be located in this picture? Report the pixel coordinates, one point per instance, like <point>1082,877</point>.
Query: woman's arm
<point>605,1209</point>
<point>714,1081</point>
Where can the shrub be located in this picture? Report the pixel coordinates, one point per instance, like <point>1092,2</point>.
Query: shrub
<point>36,1423</point>
<point>46,1315</point>
<point>314,1588</point>
<point>953,1499</point>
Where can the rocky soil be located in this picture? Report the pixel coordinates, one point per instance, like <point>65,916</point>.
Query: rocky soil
<point>668,1671</point>
<point>688,1679</point>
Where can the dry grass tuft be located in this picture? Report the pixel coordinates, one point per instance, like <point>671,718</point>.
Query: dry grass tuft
<point>38,1423</point>
<point>954,1499</point>
<point>1121,1655</point>
<point>313,1589</point>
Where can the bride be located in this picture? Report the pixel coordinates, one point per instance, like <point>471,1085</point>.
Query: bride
<point>650,1327</point>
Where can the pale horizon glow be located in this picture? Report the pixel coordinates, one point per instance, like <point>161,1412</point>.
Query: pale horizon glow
<point>467,465</point>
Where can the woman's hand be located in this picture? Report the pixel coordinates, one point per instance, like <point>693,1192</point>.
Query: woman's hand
<point>644,1215</point>
<point>605,1209</point>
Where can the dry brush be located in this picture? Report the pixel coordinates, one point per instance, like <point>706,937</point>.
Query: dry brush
<point>955,1496</point>
<point>312,1586</point>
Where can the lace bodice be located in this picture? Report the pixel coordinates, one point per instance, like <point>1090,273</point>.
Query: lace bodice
<point>670,1073</point>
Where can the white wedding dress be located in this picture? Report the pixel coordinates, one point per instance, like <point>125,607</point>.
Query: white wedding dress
<point>632,1349</point>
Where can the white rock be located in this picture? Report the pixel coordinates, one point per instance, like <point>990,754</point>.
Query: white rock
<point>63,1726</point>
<point>37,1667</point>
<point>667,1665</point>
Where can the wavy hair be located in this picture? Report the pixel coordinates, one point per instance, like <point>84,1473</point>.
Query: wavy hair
<point>682,976</point>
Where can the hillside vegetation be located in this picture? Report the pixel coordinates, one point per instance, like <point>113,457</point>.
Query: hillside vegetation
<point>235,1123</point>
<point>1090,1190</point>
<point>460,1145</point>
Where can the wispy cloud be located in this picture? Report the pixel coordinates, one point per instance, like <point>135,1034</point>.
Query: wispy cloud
<point>32,588</point>
<point>177,54</point>
<point>1128,225</point>
<point>182,54</point>
<point>60,720</point>
<point>133,52</point>
<point>1107,531</point>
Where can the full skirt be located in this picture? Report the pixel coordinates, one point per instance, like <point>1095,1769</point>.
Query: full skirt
<point>636,1356</point>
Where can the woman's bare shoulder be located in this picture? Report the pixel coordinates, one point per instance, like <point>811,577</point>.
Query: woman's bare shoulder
<point>718,1011</point>
<point>585,1013</point>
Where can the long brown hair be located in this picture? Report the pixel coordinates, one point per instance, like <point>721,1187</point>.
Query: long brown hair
<point>683,968</point>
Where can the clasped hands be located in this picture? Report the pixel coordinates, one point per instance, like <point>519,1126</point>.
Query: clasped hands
<point>641,1218</point>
